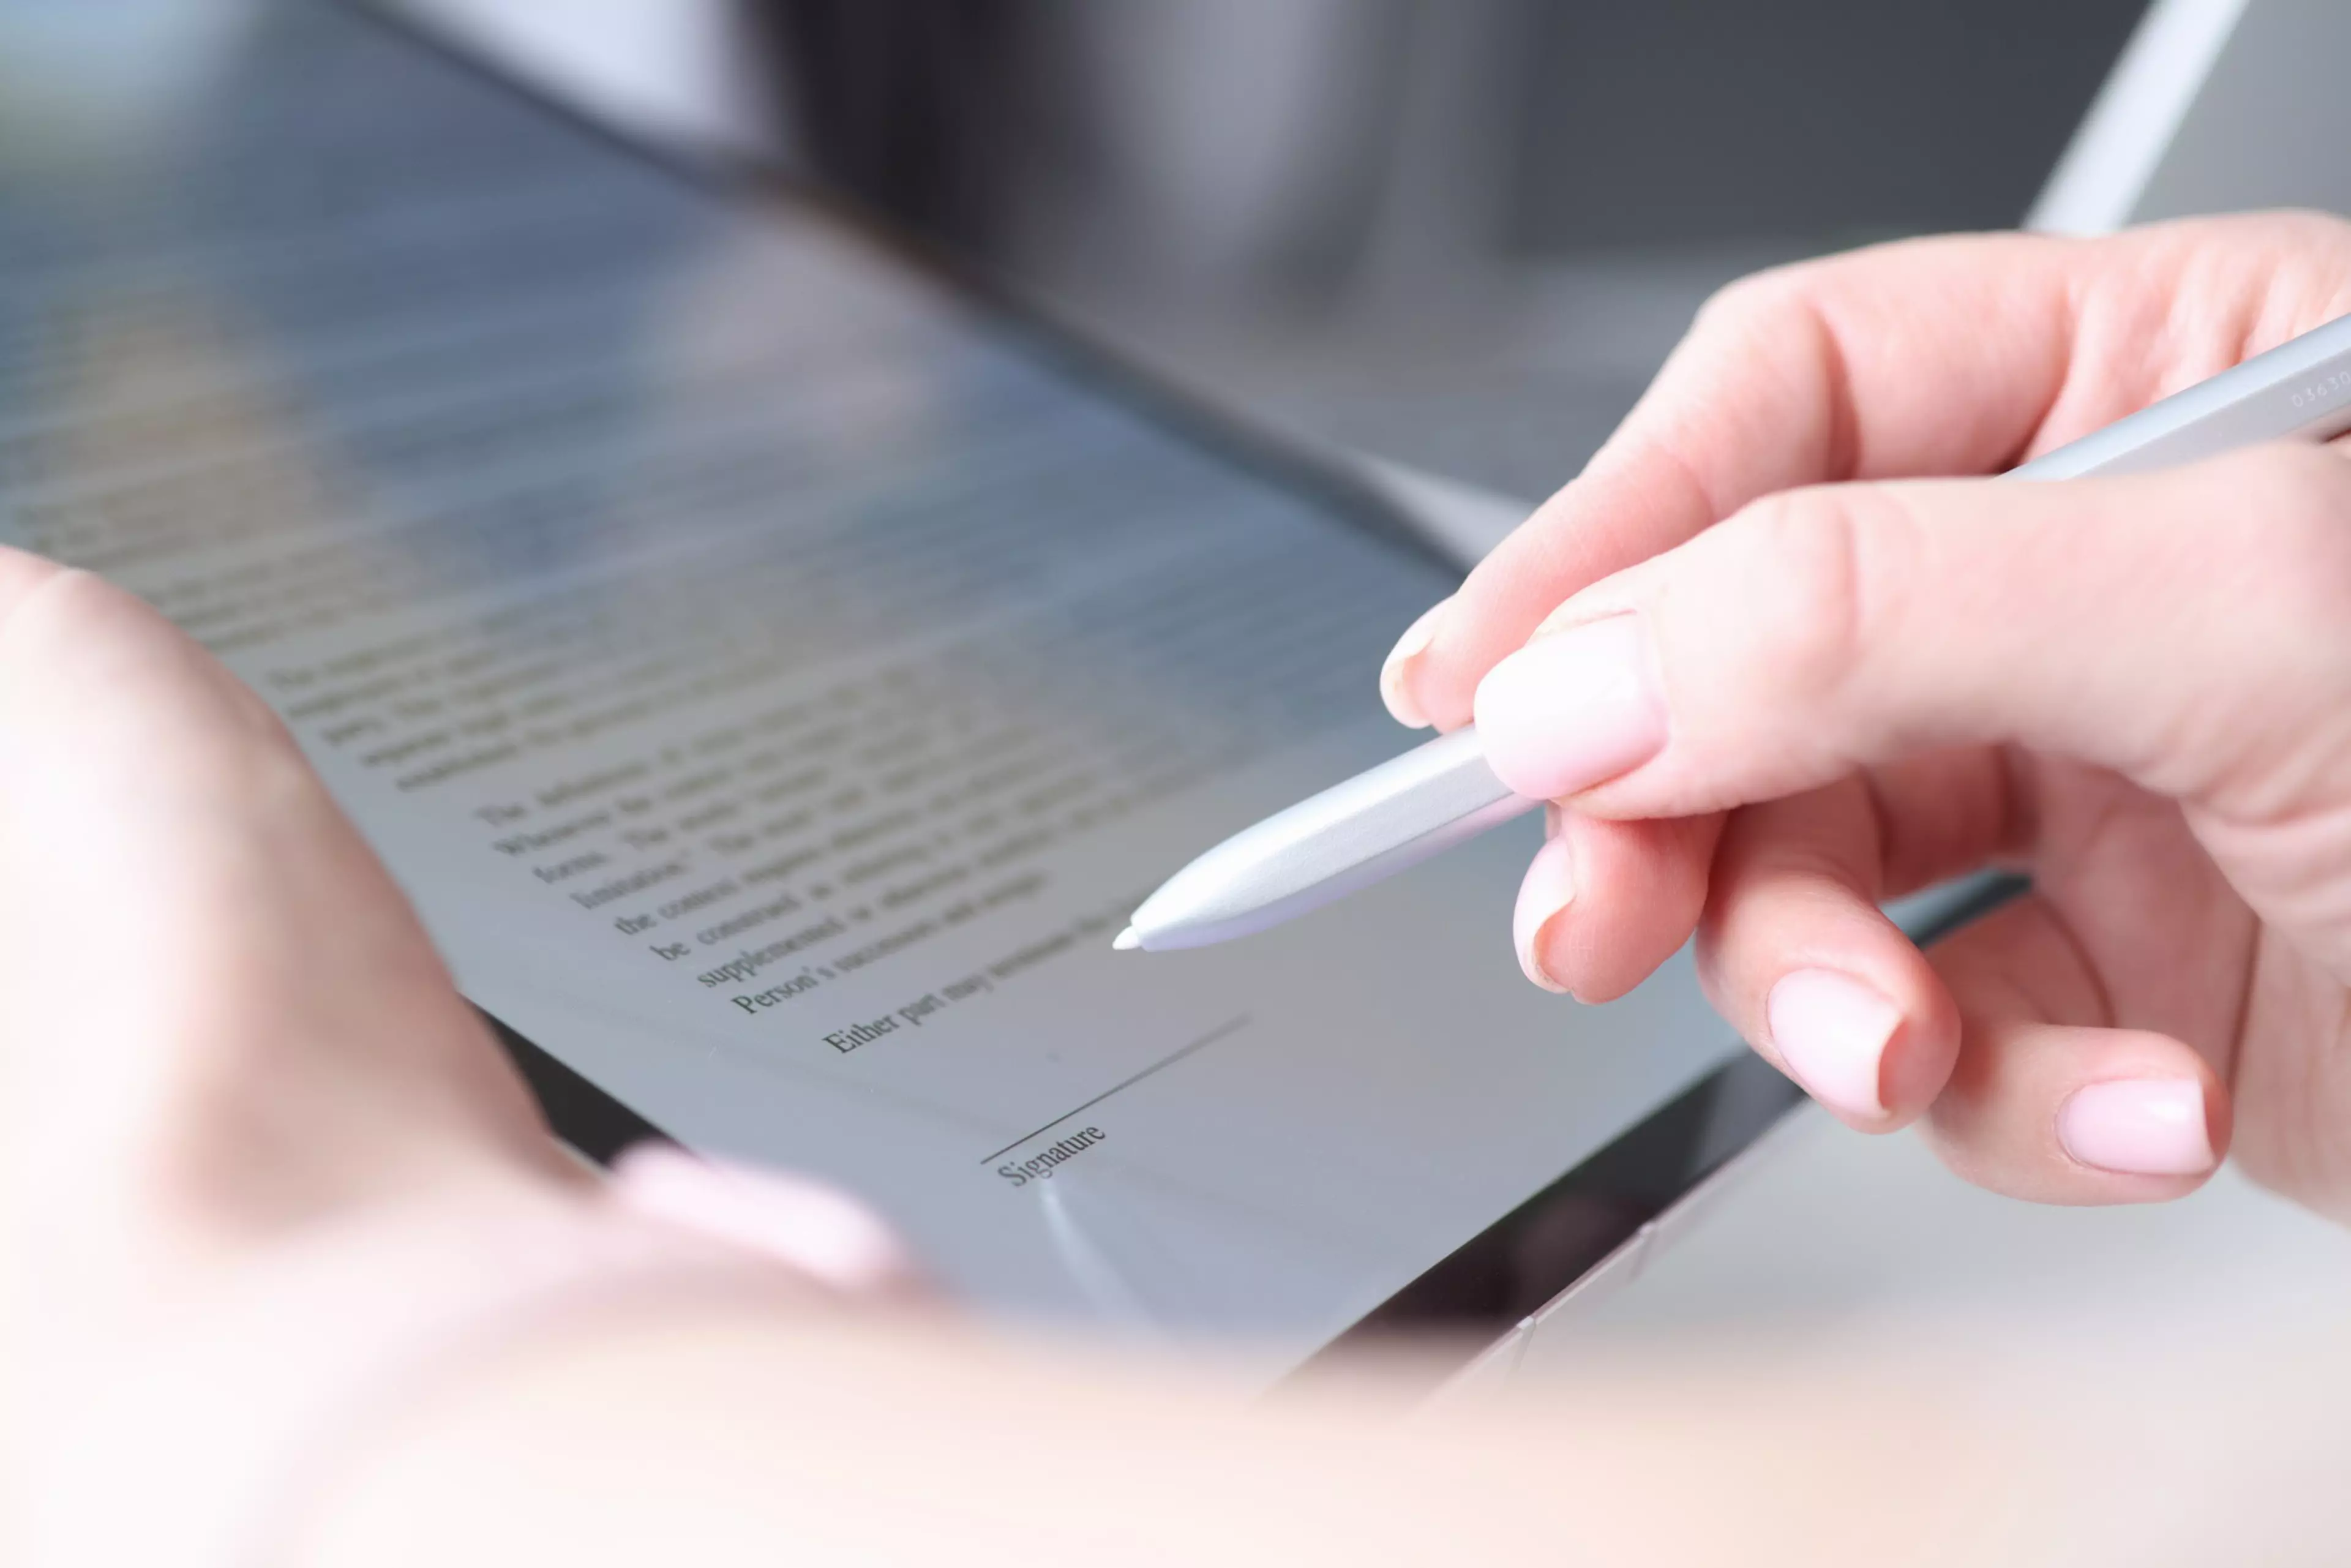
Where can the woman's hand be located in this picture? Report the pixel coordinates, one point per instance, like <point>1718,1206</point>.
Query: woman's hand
<point>267,1175</point>
<point>1770,686</point>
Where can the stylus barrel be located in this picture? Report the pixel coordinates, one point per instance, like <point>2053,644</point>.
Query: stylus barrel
<point>1352,834</point>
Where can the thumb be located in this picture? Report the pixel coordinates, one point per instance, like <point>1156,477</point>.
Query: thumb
<point>2190,629</point>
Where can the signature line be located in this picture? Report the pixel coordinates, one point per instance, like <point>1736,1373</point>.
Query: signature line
<point>1205,1041</point>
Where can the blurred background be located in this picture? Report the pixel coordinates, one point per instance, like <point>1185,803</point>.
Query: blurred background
<point>1455,234</point>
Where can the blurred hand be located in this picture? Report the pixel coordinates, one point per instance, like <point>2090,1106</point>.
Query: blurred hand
<point>1770,686</point>
<point>263,1164</point>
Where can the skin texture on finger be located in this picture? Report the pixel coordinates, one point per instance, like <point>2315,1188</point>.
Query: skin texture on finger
<point>1794,952</point>
<point>2047,1102</point>
<point>1949,356</point>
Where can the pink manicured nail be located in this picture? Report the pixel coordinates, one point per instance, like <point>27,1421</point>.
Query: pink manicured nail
<point>1548,890</point>
<point>803,1223</point>
<point>1832,1031</point>
<point>1397,675</point>
<point>2139,1127</point>
<point>1569,710</point>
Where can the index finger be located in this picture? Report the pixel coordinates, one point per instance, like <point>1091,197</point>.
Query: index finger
<point>1952,356</point>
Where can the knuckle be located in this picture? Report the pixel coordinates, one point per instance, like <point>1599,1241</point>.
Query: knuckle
<point>1811,566</point>
<point>1746,303</point>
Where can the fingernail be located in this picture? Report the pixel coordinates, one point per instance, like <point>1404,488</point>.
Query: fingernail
<point>1832,1031</point>
<point>1569,710</point>
<point>1543,898</point>
<point>803,1223</point>
<point>1397,675</point>
<point>2139,1127</point>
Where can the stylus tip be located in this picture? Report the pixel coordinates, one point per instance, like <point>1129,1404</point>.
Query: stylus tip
<point>1127,941</point>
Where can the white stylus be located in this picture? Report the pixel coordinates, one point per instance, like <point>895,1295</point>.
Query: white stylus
<point>1437,795</point>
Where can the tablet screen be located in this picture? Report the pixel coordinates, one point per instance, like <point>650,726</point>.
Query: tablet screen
<point>775,682</point>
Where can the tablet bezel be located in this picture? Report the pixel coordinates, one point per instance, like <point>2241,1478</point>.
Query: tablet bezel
<point>1524,1259</point>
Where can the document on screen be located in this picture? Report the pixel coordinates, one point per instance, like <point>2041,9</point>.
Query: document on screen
<point>775,683</point>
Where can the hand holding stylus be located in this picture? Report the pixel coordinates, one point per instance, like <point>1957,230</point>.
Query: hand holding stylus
<point>1771,683</point>
<point>1443,792</point>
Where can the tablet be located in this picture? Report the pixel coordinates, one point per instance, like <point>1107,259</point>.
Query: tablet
<point>775,670</point>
